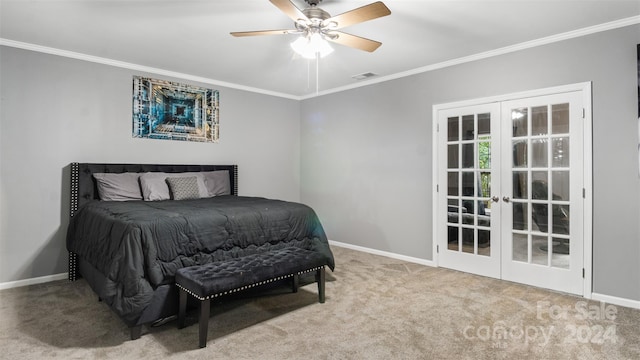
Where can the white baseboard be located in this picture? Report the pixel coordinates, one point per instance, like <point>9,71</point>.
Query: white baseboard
<point>383,253</point>
<point>33,281</point>
<point>634,304</point>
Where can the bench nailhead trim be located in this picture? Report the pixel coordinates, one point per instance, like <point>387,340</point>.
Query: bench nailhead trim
<point>246,286</point>
<point>73,261</point>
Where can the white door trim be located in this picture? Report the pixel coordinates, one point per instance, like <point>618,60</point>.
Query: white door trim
<point>585,87</point>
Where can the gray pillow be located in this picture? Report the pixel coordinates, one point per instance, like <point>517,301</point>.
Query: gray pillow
<point>183,188</point>
<point>118,187</point>
<point>217,182</point>
<point>154,187</point>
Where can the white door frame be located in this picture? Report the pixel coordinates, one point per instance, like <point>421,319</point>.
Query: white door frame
<point>587,150</point>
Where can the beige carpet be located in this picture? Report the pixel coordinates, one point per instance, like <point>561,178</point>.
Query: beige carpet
<point>376,308</point>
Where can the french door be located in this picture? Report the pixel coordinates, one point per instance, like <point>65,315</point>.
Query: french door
<point>510,190</point>
<point>468,180</point>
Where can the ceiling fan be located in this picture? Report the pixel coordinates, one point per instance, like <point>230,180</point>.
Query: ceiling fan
<point>313,23</point>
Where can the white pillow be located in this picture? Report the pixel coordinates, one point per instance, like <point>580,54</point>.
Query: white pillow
<point>118,187</point>
<point>154,186</point>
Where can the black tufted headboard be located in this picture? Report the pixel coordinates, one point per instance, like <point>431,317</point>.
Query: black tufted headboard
<point>84,188</point>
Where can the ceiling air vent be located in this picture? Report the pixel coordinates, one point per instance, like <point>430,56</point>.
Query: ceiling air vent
<point>364,76</point>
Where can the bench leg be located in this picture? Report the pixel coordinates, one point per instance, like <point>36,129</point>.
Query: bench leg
<point>136,332</point>
<point>204,321</point>
<point>295,282</point>
<point>182,307</point>
<point>320,280</point>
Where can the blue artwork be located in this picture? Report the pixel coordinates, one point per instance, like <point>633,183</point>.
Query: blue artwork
<point>173,111</point>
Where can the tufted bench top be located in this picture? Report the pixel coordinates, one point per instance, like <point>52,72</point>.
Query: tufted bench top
<point>224,277</point>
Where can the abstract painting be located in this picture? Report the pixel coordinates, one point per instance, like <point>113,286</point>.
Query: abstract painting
<point>173,111</point>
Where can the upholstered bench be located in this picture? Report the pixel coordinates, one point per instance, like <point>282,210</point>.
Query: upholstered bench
<point>220,278</point>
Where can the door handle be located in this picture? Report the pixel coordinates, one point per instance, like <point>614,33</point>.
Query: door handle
<point>505,199</point>
<point>495,199</point>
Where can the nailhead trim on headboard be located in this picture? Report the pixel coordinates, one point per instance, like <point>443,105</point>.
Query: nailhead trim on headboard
<point>235,183</point>
<point>74,188</point>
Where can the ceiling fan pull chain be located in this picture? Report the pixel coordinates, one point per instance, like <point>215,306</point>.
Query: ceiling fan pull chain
<point>308,74</point>
<point>317,72</point>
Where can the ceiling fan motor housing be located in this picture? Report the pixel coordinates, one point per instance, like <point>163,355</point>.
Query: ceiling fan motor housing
<point>315,13</point>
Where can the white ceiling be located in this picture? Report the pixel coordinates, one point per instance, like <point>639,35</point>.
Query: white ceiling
<point>192,36</point>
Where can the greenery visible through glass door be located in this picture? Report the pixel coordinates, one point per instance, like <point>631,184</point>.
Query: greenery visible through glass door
<point>484,163</point>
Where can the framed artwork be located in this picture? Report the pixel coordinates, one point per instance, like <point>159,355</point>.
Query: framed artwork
<point>173,111</point>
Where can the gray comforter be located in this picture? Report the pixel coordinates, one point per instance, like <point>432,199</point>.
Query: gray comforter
<point>139,245</point>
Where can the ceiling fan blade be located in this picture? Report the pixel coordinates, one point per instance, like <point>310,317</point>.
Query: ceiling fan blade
<point>263,32</point>
<point>287,7</point>
<point>355,16</point>
<point>354,41</point>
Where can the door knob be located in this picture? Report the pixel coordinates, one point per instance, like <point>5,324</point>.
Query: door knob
<point>495,199</point>
<point>505,199</point>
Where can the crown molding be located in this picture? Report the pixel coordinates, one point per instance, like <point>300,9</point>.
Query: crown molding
<point>488,54</point>
<point>136,67</point>
<point>484,55</point>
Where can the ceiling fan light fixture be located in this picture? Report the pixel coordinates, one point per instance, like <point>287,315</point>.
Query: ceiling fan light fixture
<point>318,26</point>
<point>310,45</point>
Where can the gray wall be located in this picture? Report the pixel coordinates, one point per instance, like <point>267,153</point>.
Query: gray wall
<point>56,110</point>
<point>361,158</point>
<point>366,153</point>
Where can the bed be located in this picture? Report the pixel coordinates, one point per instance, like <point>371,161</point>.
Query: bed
<point>128,246</point>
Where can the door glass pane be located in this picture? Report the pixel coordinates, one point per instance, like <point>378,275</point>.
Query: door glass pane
<point>484,242</point>
<point>539,121</point>
<point>453,208</point>
<point>520,120</point>
<point>484,153</point>
<point>453,217</point>
<point>520,216</point>
<point>452,238</point>
<point>484,124</point>
<point>520,153</point>
<point>452,183</point>
<point>539,188</point>
<point>520,247</point>
<point>483,209</point>
<point>452,156</point>
<point>560,148</point>
<point>560,220</point>
<point>560,119</point>
<point>467,156</point>
<point>468,127</point>
<point>452,128</point>
<point>468,212</point>
<point>468,184</point>
<point>539,153</point>
<point>520,185</point>
<point>485,183</point>
<point>539,253</point>
<point>560,256</point>
<point>560,185</point>
<point>540,217</point>
<point>467,240</point>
